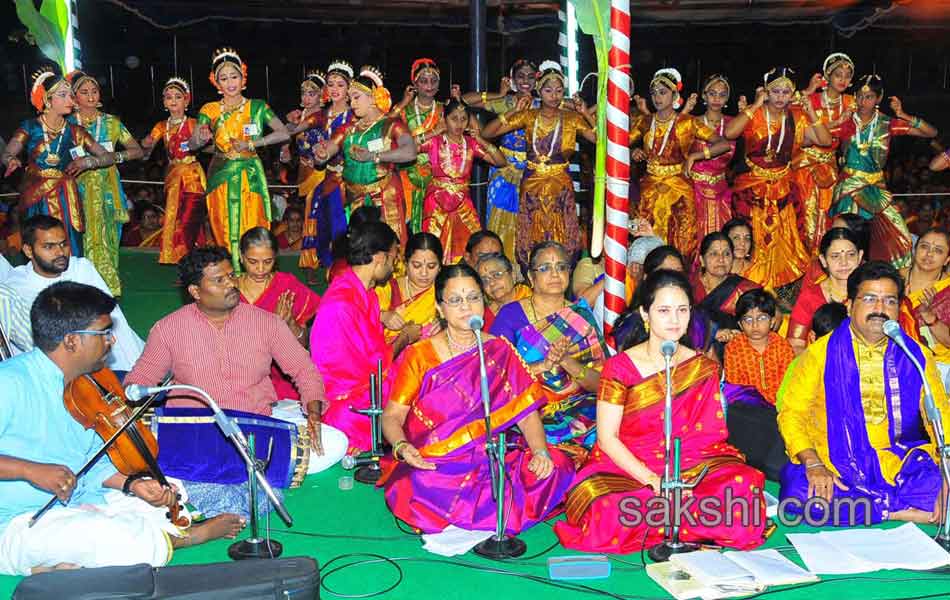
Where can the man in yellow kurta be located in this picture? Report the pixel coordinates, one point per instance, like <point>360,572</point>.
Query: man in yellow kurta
<point>854,423</point>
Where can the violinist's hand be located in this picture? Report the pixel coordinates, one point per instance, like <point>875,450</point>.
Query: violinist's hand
<point>55,479</point>
<point>12,166</point>
<point>154,493</point>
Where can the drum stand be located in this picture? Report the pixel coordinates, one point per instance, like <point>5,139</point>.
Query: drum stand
<point>370,472</point>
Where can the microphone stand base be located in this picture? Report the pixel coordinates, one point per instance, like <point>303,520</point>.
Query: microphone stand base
<point>495,549</point>
<point>255,548</point>
<point>368,474</point>
<point>663,551</point>
<point>943,542</point>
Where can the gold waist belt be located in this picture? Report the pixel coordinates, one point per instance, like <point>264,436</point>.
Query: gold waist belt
<point>547,168</point>
<point>51,173</point>
<point>182,161</point>
<point>818,155</point>
<point>234,155</point>
<point>872,177</point>
<point>361,189</point>
<point>771,174</point>
<point>449,185</point>
<point>706,178</point>
<point>658,170</point>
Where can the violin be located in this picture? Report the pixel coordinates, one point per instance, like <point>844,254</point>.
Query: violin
<point>97,401</point>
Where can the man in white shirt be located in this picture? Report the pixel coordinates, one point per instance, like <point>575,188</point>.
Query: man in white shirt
<point>46,245</point>
<point>5,269</point>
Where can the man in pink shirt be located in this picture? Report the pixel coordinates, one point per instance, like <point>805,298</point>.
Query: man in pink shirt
<point>347,339</point>
<point>226,348</point>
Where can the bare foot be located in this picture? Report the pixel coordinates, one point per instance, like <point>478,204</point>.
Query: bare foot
<point>59,567</point>
<point>227,525</point>
<point>911,515</point>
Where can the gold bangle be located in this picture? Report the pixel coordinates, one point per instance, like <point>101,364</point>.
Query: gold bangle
<point>749,113</point>
<point>706,152</point>
<point>250,144</point>
<point>397,447</point>
<point>503,119</point>
<point>484,98</point>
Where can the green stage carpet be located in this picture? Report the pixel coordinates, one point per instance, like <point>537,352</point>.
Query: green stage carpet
<point>330,522</point>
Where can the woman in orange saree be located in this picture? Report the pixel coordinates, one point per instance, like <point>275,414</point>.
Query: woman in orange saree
<point>612,506</point>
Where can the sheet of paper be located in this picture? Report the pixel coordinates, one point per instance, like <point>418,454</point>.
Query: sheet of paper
<point>904,547</point>
<point>711,568</point>
<point>770,568</point>
<point>453,540</point>
<point>821,557</point>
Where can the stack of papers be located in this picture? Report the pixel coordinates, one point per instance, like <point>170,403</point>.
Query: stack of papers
<point>865,550</point>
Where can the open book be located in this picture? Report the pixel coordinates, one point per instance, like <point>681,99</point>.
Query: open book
<point>710,574</point>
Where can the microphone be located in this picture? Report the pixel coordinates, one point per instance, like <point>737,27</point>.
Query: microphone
<point>350,462</point>
<point>135,392</point>
<point>668,348</point>
<point>475,322</point>
<point>893,330</point>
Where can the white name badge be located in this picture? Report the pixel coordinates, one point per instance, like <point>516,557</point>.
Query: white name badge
<point>252,130</point>
<point>109,146</point>
<point>77,152</point>
<point>375,145</point>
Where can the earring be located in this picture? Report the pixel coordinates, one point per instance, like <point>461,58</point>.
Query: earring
<point>646,326</point>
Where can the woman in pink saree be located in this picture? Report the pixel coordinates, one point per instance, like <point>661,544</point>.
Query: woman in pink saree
<point>439,472</point>
<point>609,507</point>
<point>277,292</point>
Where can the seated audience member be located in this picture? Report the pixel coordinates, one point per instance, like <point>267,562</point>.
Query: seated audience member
<point>481,243</point>
<point>347,340</point>
<point>42,446</point>
<point>289,231</point>
<point>147,231</point>
<point>625,467</point>
<point>826,319</point>
<point>840,254</point>
<point>740,232</point>
<point>46,246</point>
<point>755,363</point>
<point>854,422</point>
<point>561,343</point>
<point>926,277</point>
<point>15,321</point>
<point>262,285</point>
<point>497,275</point>
<point>716,288</point>
<point>362,214</point>
<point>439,474</point>
<point>407,303</point>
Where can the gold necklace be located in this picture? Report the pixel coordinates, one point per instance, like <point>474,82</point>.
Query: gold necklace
<point>534,309</point>
<point>456,348</point>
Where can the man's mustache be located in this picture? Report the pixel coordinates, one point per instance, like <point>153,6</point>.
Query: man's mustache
<point>877,316</point>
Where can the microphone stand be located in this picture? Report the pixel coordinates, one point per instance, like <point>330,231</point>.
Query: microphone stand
<point>253,547</point>
<point>673,484</point>
<point>499,546</point>
<point>370,473</point>
<point>940,440</point>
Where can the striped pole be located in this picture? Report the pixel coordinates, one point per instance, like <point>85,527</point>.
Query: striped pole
<point>73,58</point>
<point>619,86</point>
<point>567,47</point>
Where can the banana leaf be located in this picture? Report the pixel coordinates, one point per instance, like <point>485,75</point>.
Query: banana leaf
<point>47,35</point>
<point>57,11</point>
<point>593,18</point>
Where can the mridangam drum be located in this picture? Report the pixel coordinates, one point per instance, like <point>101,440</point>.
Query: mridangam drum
<point>192,447</point>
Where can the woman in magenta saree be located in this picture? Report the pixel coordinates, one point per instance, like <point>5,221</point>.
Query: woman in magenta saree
<point>439,474</point>
<point>276,292</point>
<point>607,509</point>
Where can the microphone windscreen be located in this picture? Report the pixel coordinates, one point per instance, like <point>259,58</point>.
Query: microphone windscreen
<point>892,329</point>
<point>476,322</point>
<point>668,348</point>
<point>134,392</point>
<point>348,462</point>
